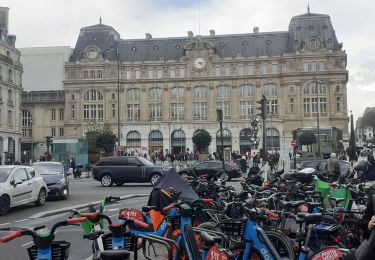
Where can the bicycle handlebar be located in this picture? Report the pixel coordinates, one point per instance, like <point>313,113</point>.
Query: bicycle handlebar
<point>11,236</point>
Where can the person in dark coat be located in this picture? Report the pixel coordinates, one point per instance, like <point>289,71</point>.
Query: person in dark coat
<point>370,175</point>
<point>368,220</point>
<point>243,164</point>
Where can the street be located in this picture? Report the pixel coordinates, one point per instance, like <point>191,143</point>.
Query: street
<point>82,192</point>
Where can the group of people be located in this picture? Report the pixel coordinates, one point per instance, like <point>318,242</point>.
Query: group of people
<point>171,157</point>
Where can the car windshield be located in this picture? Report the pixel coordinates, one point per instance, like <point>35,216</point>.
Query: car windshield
<point>145,161</point>
<point>4,174</point>
<point>49,169</point>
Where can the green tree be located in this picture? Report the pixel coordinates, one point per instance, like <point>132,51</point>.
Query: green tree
<point>106,139</point>
<point>202,139</point>
<point>307,138</point>
<point>91,141</point>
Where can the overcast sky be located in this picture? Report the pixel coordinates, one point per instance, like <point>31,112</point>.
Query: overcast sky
<point>57,23</point>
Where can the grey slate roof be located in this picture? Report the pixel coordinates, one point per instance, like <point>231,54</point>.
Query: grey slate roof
<point>226,46</point>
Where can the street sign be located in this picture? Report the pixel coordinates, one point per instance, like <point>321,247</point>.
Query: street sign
<point>293,143</point>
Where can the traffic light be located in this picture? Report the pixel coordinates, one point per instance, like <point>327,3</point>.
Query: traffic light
<point>263,107</point>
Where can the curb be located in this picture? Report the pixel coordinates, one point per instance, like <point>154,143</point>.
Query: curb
<point>80,206</point>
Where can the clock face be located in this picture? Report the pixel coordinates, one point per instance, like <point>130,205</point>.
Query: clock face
<point>199,63</point>
<point>92,54</point>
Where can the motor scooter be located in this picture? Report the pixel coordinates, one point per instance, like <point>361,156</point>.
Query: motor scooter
<point>77,172</point>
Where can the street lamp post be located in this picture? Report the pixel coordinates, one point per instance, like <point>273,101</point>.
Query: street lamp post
<point>219,114</point>
<point>317,84</point>
<point>115,49</point>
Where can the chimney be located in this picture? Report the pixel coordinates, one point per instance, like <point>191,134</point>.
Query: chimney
<point>256,29</point>
<point>190,34</point>
<point>4,18</point>
<point>212,32</point>
<point>148,36</point>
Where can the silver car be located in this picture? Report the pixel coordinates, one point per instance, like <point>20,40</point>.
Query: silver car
<point>20,185</point>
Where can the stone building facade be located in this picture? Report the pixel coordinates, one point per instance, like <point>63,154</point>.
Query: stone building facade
<point>167,89</point>
<point>10,92</point>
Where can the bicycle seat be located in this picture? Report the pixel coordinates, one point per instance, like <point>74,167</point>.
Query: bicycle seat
<point>209,240</point>
<point>338,200</point>
<point>149,208</point>
<point>309,217</point>
<point>292,204</point>
<point>115,255</point>
<point>93,235</point>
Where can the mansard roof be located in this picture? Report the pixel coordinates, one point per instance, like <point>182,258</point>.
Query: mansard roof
<point>301,28</point>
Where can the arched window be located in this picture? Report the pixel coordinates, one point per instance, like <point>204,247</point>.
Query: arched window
<point>222,91</point>
<point>155,94</point>
<point>134,94</point>
<point>246,91</point>
<point>270,90</point>
<point>93,107</point>
<point>199,147</point>
<point>155,141</point>
<point>227,140</point>
<point>178,141</point>
<point>272,139</point>
<point>133,140</point>
<point>93,95</point>
<point>200,92</point>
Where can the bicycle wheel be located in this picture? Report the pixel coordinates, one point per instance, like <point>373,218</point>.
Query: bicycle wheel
<point>282,244</point>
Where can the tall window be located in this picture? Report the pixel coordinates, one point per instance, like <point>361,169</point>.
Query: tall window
<point>26,119</point>
<point>313,66</point>
<point>275,68</point>
<point>10,117</point>
<point>53,131</point>
<point>134,111</point>
<point>92,105</point>
<point>314,105</point>
<point>227,71</point>
<point>250,70</point>
<point>272,107</point>
<point>173,73</point>
<point>113,110</point>
<point>246,91</point>
<point>182,72</point>
<point>263,68</point>
<point>246,109</point>
<point>177,103</point>
<point>240,70</point>
<point>305,66</point>
<point>322,65</point>
<point>155,111</point>
<point>100,75</point>
<point>85,74</point>
<point>150,73</point>
<point>160,73</point>
<point>323,105</point>
<point>10,96</point>
<point>10,75</point>
<point>128,74</point>
<point>200,110</point>
<point>61,131</point>
<point>218,71</point>
<point>306,105</point>
<point>291,105</point>
<point>92,74</point>
<point>53,114</point>
<point>137,74</point>
<point>61,113</point>
<point>338,104</point>
<point>73,111</point>
<point>225,106</point>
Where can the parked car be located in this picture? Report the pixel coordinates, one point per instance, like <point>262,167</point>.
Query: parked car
<point>123,169</point>
<point>212,168</point>
<point>20,185</point>
<point>320,166</point>
<point>55,177</point>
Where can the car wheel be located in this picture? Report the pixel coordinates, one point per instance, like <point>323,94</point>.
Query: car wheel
<point>154,178</point>
<point>41,197</point>
<point>4,205</point>
<point>106,180</point>
<point>224,176</point>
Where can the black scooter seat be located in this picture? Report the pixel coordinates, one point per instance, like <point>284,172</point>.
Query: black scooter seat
<point>309,217</point>
<point>115,255</point>
<point>209,240</point>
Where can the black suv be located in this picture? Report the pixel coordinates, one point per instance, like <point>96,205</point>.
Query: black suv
<point>123,169</point>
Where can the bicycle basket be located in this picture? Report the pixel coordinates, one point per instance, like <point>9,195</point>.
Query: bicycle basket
<point>60,250</point>
<point>174,222</point>
<point>233,227</point>
<point>129,241</point>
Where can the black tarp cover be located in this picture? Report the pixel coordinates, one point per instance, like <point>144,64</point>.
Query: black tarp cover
<point>171,180</point>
